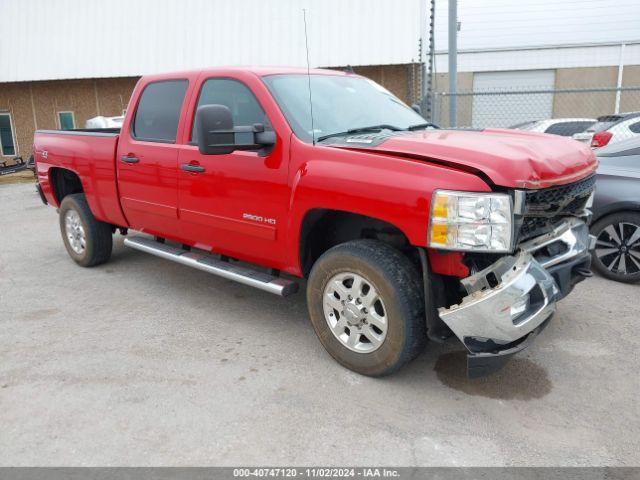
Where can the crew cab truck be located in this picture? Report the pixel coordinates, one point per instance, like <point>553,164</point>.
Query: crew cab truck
<point>403,232</point>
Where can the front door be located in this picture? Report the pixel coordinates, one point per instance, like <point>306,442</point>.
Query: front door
<point>147,160</point>
<point>236,203</point>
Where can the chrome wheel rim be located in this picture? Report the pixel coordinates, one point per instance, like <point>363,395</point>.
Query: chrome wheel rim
<point>618,248</point>
<point>75,232</point>
<point>355,312</point>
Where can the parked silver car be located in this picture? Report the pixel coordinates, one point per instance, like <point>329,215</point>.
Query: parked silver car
<point>616,210</point>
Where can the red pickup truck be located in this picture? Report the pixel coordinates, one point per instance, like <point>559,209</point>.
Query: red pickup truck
<point>404,232</point>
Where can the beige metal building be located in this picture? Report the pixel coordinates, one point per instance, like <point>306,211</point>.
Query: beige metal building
<point>48,104</point>
<point>52,104</point>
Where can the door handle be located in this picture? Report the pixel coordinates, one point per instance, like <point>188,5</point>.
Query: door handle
<point>189,167</point>
<point>129,159</point>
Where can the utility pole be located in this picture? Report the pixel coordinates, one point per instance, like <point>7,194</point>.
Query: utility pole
<point>619,83</point>
<point>453,62</point>
<point>426,56</point>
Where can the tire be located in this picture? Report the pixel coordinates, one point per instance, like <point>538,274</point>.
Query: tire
<point>394,279</point>
<point>617,252</point>
<point>95,235</point>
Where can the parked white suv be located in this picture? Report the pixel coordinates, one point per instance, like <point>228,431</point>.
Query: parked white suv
<point>611,129</point>
<point>565,127</point>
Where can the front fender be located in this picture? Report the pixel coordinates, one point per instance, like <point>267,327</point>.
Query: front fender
<point>395,190</point>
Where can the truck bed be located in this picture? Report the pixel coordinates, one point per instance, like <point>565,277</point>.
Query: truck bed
<point>91,155</point>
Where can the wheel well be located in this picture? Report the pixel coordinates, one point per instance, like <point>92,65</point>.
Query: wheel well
<point>616,208</point>
<point>322,229</point>
<point>64,182</point>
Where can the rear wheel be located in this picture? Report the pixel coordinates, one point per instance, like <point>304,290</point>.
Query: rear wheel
<point>87,240</point>
<point>617,252</point>
<point>366,305</point>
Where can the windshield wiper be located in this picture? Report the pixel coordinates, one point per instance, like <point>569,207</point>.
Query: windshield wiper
<point>420,126</point>
<point>372,128</point>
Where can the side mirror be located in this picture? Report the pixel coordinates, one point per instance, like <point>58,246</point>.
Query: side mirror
<point>417,108</point>
<point>218,136</point>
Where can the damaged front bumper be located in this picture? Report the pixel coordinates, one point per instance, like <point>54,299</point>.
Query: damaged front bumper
<point>511,301</point>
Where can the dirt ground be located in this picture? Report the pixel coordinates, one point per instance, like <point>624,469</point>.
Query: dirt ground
<point>25,176</point>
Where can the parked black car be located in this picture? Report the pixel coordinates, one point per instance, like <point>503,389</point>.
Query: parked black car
<point>616,208</point>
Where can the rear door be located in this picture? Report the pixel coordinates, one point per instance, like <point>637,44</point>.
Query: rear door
<point>147,158</point>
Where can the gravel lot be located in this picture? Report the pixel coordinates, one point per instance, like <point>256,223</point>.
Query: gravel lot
<point>144,362</point>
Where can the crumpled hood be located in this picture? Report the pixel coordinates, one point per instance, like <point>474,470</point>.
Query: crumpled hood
<point>510,158</point>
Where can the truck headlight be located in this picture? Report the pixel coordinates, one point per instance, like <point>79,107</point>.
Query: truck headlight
<point>481,222</point>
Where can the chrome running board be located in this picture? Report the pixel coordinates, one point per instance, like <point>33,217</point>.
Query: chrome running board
<point>211,264</point>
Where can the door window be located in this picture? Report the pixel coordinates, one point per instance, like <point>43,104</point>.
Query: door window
<point>158,111</point>
<point>244,106</point>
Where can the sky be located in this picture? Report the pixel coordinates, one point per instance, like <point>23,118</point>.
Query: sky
<point>513,23</point>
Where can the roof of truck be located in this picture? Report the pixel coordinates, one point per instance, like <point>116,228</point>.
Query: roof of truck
<point>259,71</point>
<point>280,70</point>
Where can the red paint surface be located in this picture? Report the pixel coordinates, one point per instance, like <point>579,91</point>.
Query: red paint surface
<point>448,263</point>
<point>392,182</point>
<point>510,158</point>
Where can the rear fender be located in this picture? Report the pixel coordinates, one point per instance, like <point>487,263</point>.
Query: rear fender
<point>92,159</point>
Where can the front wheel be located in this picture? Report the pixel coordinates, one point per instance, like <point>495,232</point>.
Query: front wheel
<point>87,240</point>
<point>617,252</point>
<point>366,305</point>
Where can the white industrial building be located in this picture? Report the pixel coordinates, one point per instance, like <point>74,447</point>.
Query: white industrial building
<point>64,61</point>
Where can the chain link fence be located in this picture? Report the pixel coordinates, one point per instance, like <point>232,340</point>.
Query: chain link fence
<point>519,107</point>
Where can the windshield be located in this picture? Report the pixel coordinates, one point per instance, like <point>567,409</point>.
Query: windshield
<point>340,103</point>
